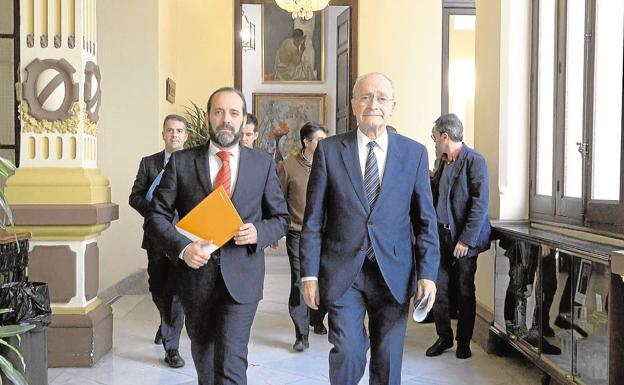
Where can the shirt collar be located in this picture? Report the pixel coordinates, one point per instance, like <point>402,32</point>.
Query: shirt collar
<point>454,156</point>
<point>382,140</point>
<point>213,149</point>
<point>167,157</point>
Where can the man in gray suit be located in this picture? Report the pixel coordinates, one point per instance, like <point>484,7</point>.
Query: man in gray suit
<point>159,267</point>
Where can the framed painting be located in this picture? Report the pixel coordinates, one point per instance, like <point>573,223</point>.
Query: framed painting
<point>293,50</point>
<point>280,116</point>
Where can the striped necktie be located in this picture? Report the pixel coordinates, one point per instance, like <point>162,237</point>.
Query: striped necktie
<point>224,176</point>
<point>372,187</point>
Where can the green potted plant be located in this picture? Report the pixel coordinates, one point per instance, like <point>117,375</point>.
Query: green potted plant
<point>7,333</point>
<point>10,333</point>
<point>196,126</point>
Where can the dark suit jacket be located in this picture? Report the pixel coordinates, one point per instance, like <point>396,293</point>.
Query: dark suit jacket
<point>338,220</point>
<point>469,197</point>
<point>257,197</point>
<point>149,168</point>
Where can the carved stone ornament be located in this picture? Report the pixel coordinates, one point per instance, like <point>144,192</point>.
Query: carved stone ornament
<point>92,99</point>
<point>63,77</point>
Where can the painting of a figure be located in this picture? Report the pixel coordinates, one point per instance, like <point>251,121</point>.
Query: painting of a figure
<point>280,116</point>
<point>292,50</point>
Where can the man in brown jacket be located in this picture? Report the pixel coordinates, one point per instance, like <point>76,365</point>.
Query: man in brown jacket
<point>293,174</point>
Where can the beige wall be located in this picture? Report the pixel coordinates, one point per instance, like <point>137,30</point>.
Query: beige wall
<point>407,48</point>
<point>167,52</point>
<point>129,123</point>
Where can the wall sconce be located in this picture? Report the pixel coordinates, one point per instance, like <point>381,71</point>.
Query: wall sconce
<point>248,34</point>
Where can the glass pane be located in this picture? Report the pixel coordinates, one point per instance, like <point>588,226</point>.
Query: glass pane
<point>607,130</point>
<point>6,16</point>
<point>589,321</point>
<point>462,71</point>
<point>557,306</point>
<point>516,308</point>
<point>545,96</point>
<point>575,56</point>
<point>7,93</point>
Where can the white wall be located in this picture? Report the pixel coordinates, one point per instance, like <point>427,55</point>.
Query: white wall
<point>252,65</point>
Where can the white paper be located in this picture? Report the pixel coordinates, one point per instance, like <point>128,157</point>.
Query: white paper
<point>422,308</point>
<point>211,248</point>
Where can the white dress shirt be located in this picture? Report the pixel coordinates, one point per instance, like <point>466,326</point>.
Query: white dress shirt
<point>214,162</point>
<point>381,153</point>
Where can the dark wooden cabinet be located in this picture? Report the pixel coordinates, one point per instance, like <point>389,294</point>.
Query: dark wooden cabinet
<point>555,301</point>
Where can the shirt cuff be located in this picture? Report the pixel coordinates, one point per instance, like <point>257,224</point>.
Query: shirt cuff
<point>304,279</point>
<point>181,255</point>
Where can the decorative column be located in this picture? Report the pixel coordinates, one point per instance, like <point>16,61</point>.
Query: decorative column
<point>58,194</point>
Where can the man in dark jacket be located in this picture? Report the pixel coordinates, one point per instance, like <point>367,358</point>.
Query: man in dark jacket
<point>159,267</point>
<point>461,197</point>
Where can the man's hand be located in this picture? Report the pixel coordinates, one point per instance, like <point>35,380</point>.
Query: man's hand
<point>246,235</point>
<point>310,292</point>
<point>426,287</point>
<point>194,257</point>
<point>461,250</point>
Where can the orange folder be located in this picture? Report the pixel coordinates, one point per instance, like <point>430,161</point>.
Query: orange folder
<point>215,219</point>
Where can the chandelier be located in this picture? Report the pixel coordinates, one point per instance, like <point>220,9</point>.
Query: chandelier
<point>303,9</point>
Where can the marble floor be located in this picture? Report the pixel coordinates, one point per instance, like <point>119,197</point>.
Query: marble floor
<point>134,358</point>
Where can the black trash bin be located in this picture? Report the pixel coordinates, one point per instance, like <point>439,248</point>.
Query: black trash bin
<point>30,302</point>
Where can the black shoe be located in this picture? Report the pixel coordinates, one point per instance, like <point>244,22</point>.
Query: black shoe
<point>320,329</point>
<point>158,338</point>
<point>547,331</point>
<point>438,347</point>
<point>301,343</point>
<point>564,323</point>
<point>172,357</point>
<point>548,348</point>
<point>463,351</point>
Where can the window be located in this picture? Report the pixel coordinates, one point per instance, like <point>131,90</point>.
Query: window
<point>9,59</point>
<point>576,113</point>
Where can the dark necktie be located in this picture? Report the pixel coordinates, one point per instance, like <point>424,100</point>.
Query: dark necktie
<point>224,176</point>
<point>371,186</point>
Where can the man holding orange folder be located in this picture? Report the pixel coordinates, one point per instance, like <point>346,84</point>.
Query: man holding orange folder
<point>220,291</point>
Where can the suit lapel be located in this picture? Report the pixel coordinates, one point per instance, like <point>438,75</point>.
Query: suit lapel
<point>460,163</point>
<point>351,161</point>
<point>243,173</point>
<point>202,166</point>
<point>391,169</point>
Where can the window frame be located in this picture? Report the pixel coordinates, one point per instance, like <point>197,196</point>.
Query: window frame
<point>585,213</point>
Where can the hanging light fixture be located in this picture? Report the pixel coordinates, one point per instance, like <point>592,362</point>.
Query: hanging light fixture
<point>248,34</point>
<point>303,9</point>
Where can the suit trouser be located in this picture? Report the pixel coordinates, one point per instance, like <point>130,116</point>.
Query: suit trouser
<point>387,322</point>
<point>301,315</point>
<point>218,326</point>
<point>161,281</point>
<point>458,273</point>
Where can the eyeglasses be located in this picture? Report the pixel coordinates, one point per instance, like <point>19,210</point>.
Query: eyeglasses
<point>368,98</point>
<point>433,138</point>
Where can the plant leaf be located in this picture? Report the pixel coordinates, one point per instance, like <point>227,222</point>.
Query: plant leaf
<point>5,310</point>
<point>4,205</point>
<point>7,164</point>
<point>11,373</point>
<point>17,352</point>
<point>14,330</point>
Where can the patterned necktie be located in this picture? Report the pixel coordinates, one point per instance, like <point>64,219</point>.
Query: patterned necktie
<point>371,186</point>
<point>224,176</point>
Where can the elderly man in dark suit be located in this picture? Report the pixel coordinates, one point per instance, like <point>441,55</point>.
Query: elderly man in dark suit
<point>159,267</point>
<point>461,196</point>
<point>220,291</point>
<point>368,191</point>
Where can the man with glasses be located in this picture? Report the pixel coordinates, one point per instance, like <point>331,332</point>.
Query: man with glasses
<point>461,197</point>
<point>367,192</point>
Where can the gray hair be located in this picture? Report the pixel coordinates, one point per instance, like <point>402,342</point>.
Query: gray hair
<point>451,125</point>
<point>360,78</point>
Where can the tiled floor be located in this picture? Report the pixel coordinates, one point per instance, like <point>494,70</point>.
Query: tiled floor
<point>136,360</point>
